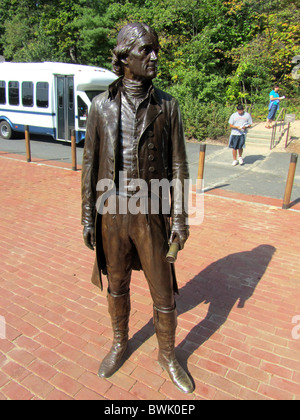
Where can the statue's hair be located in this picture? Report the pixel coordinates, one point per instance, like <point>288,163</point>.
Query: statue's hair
<point>126,39</point>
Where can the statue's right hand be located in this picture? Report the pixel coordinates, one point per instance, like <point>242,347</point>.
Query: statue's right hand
<point>89,236</point>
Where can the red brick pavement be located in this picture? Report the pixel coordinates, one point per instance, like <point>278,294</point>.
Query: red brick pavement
<point>239,278</point>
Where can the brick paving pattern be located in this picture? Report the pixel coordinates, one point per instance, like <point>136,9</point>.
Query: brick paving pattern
<point>239,278</point>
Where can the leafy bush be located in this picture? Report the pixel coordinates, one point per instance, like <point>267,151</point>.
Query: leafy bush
<point>204,120</point>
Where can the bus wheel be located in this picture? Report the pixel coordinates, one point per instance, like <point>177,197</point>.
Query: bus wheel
<point>5,130</point>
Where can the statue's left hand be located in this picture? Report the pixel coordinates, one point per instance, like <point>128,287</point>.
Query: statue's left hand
<point>89,236</point>
<point>182,235</point>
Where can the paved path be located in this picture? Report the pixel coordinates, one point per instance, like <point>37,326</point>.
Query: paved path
<point>263,174</point>
<point>239,278</point>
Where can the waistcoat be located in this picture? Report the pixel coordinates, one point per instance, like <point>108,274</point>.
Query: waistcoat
<point>130,131</point>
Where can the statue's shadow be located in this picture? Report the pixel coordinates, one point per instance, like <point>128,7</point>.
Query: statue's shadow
<point>223,284</point>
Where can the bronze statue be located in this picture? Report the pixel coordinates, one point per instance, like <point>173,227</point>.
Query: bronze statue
<point>135,137</point>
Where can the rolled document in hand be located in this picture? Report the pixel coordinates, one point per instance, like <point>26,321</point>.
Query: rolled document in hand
<point>173,250</point>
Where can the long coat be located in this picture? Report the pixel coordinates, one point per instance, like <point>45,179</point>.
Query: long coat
<point>161,135</point>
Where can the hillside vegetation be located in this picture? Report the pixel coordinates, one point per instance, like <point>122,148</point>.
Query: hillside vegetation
<point>214,54</point>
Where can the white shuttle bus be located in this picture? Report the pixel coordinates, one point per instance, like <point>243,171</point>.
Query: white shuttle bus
<point>51,98</point>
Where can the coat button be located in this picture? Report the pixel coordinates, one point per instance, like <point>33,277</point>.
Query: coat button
<point>151,146</point>
<point>150,157</point>
<point>151,169</point>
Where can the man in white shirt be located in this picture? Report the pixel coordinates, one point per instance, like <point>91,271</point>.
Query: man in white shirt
<point>239,122</point>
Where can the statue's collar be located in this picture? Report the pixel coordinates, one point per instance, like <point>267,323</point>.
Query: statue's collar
<point>116,86</point>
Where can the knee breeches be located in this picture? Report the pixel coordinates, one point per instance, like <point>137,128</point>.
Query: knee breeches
<point>128,236</point>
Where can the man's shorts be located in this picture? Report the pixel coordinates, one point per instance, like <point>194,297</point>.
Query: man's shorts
<point>272,112</point>
<point>237,142</point>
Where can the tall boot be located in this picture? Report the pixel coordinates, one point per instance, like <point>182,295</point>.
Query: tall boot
<point>165,325</point>
<point>119,310</point>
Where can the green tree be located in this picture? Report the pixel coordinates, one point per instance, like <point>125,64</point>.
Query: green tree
<point>266,58</point>
<point>213,54</point>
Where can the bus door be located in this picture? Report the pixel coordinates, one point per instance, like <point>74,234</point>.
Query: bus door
<point>65,107</point>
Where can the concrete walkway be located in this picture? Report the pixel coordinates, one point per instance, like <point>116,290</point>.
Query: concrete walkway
<point>264,173</point>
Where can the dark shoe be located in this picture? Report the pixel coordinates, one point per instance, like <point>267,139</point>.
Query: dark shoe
<point>119,310</point>
<point>177,374</point>
<point>112,360</point>
<point>165,325</point>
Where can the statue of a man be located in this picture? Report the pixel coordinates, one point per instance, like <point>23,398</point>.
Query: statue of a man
<point>135,137</point>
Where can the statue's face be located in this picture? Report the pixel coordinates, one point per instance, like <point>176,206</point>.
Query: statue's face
<point>141,62</point>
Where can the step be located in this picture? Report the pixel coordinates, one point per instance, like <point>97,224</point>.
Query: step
<point>258,140</point>
<point>258,145</point>
<point>263,139</point>
<point>266,132</point>
<point>259,136</point>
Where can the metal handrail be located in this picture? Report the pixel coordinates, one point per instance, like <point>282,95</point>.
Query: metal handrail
<point>281,119</point>
<point>287,135</point>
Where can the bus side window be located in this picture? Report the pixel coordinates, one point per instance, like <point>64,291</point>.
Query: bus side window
<point>27,94</point>
<point>2,93</point>
<point>13,93</point>
<point>42,94</point>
